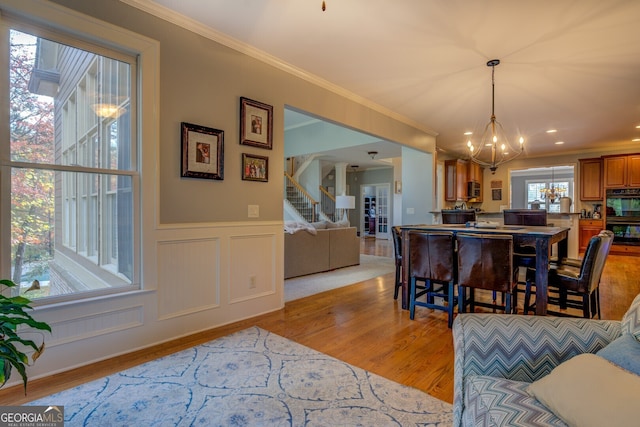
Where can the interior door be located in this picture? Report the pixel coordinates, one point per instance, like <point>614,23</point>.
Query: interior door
<point>382,211</point>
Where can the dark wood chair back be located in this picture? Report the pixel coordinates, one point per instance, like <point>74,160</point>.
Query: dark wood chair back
<point>431,256</point>
<point>525,217</point>
<point>458,216</point>
<point>396,231</point>
<point>485,261</point>
<point>431,259</point>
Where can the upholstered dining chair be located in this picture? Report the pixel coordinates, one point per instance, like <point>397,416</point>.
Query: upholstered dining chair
<point>525,255</point>
<point>579,278</point>
<point>432,260</point>
<point>458,216</point>
<point>397,250</point>
<point>485,261</point>
<point>525,216</point>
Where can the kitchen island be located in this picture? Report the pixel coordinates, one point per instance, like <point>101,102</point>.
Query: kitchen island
<point>566,220</point>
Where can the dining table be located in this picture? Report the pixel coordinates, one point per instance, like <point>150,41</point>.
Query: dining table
<point>541,237</point>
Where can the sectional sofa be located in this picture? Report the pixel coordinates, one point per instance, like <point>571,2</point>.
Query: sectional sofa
<point>309,251</point>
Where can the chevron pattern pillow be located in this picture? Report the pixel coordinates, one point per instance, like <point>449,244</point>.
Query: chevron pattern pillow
<point>631,320</point>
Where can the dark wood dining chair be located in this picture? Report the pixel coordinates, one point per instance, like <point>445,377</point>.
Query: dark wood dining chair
<point>432,261</point>
<point>578,278</point>
<point>397,250</point>
<point>485,261</point>
<point>525,217</point>
<point>525,255</point>
<point>458,216</point>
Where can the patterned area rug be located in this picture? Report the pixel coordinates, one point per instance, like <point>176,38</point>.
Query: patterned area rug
<point>250,378</point>
<point>370,266</point>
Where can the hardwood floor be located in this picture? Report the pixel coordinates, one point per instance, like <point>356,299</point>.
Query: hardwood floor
<point>360,324</point>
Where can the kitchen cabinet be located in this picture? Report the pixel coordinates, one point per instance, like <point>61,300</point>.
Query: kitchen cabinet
<point>622,171</point>
<point>475,173</point>
<point>591,179</point>
<point>455,180</point>
<point>588,228</point>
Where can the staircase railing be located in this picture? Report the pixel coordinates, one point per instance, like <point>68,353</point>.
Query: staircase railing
<point>300,199</point>
<point>327,203</point>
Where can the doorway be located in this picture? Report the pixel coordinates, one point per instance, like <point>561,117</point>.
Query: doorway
<point>374,220</point>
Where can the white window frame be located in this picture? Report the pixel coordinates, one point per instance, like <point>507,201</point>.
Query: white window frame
<point>51,17</point>
<point>547,184</point>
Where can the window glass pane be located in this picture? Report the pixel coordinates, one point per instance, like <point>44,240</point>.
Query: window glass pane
<point>72,174</point>
<point>41,252</point>
<point>93,91</point>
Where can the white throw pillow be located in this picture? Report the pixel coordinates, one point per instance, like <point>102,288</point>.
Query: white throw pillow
<point>588,390</point>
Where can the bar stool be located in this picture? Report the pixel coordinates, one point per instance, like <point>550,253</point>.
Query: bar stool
<point>485,261</point>
<point>432,260</point>
<point>579,278</point>
<point>458,216</point>
<point>525,255</point>
<point>397,249</point>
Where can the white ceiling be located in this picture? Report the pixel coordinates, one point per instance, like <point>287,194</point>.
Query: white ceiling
<point>570,65</point>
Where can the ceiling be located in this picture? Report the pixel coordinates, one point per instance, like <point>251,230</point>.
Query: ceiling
<point>569,65</point>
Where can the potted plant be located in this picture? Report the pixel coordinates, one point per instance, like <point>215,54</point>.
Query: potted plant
<point>13,315</point>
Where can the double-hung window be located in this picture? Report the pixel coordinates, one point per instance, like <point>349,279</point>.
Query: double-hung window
<point>536,190</point>
<point>71,158</point>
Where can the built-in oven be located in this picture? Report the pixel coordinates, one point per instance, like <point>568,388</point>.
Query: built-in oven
<point>623,215</point>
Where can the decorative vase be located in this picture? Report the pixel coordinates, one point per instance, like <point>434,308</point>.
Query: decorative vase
<point>565,204</point>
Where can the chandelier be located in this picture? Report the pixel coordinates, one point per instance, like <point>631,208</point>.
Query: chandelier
<point>494,148</point>
<point>554,191</point>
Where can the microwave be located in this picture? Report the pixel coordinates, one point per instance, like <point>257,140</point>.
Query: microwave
<point>473,189</point>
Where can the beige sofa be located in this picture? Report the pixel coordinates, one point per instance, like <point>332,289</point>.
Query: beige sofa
<point>328,249</point>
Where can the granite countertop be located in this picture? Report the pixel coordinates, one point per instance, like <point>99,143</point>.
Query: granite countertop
<point>500,213</point>
<point>549,213</point>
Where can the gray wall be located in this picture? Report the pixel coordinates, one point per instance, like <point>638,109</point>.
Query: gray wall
<point>201,82</point>
<point>418,183</point>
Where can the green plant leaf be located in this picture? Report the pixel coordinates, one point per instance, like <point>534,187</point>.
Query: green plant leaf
<point>13,317</point>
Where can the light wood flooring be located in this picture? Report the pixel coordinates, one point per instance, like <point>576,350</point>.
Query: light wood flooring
<point>360,324</point>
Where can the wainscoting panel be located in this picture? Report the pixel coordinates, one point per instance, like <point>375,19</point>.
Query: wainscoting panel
<point>188,276</point>
<point>251,267</point>
<point>83,327</point>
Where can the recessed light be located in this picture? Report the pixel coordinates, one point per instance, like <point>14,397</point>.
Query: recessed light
<point>468,133</point>
<point>635,140</point>
<point>552,131</point>
<point>638,127</point>
<point>559,142</point>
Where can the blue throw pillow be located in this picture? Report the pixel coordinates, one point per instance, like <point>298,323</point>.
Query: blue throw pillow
<point>624,352</point>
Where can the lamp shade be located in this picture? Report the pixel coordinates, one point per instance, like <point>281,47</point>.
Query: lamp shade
<point>345,202</point>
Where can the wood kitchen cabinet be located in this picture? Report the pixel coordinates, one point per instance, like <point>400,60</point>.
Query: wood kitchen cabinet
<point>622,171</point>
<point>475,173</point>
<point>591,179</point>
<point>588,228</point>
<point>455,180</point>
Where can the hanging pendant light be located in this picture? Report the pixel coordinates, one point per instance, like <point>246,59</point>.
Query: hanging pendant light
<point>494,148</point>
<point>554,191</point>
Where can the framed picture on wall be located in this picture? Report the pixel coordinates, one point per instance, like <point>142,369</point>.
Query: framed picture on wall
<point>202,152</point>
<point>255,168</point>
<point>256,123</point>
